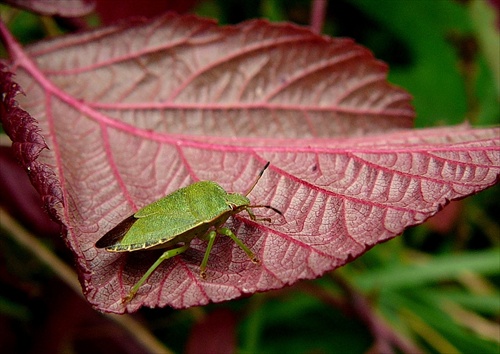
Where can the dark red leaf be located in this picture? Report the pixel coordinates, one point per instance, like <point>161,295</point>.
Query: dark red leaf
<point>216,333</point>
<point>109,12</point>
<point>21,199</point>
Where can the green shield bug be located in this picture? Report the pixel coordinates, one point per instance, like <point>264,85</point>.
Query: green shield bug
<point>199,210</point>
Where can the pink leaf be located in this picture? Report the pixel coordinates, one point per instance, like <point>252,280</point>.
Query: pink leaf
<point>131,113</point>
<point>66,8</point>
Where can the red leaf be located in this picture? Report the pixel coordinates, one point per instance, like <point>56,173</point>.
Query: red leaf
<point>133,113</point>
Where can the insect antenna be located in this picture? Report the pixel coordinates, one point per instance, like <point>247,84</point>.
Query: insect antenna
<point>254,218</point>
<point>247,208</point>
<point>268,207</point>
<point>257,179</point>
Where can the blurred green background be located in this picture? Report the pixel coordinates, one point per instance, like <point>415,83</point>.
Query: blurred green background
<point>435,288</point>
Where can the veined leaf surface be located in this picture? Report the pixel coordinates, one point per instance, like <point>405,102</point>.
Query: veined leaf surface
<point>132,112</point>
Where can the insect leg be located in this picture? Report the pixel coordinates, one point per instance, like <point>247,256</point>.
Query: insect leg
<point>166,255</point>
<point>226,232</point>
<point>211,239</point>
<point>252,215</point>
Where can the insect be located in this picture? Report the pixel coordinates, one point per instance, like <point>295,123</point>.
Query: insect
<point>199,210</point>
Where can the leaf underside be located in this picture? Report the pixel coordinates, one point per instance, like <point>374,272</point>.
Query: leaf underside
<point>133,112</point>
